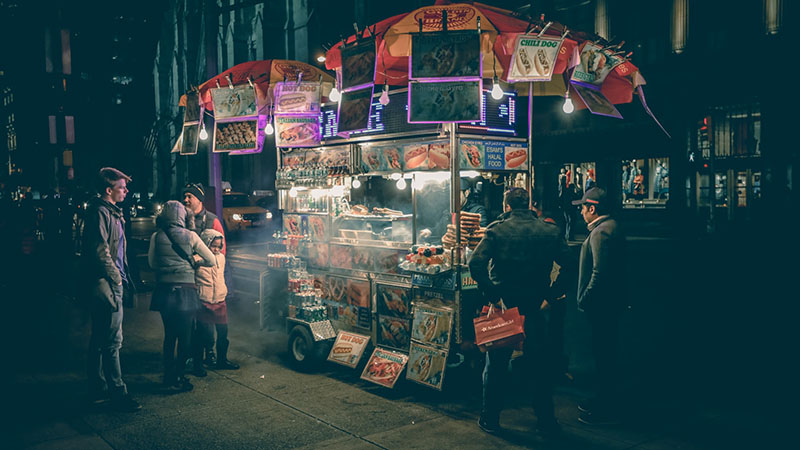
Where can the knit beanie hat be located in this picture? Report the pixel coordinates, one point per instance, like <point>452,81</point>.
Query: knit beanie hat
<point>195,189</point>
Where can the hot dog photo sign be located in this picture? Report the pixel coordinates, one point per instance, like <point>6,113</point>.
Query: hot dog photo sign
<point>492,155</point>
<point>297,98</point>
<point>534,58</point>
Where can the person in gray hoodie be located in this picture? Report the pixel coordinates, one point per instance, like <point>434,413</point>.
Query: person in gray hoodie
<point>601,281</point>
<point>170,256</point>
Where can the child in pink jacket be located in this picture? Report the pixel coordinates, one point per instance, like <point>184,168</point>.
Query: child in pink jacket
<point>213,312</point>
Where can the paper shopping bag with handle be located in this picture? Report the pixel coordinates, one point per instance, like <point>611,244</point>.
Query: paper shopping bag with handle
<point>499,328</point>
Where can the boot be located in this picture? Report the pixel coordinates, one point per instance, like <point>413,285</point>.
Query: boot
<point>211,358</point>
<point>222,361</point>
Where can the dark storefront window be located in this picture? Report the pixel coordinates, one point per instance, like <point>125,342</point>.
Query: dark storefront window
<point>645,183</point>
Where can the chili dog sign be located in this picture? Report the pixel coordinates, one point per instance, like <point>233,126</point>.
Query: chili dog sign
<point>492,155</point>
<point>348,348</point>
<point>297,98</point>
<point>534,58</point>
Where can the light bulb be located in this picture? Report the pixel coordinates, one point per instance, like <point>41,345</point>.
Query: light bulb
<point>321,58</point>
<point>568,107</point>
<point>293,192</point>
<point>335,96</point>
<point>269,129</point>
<point>497,91</point>
<point>384,100</point>
<point>401,184</point>
<point>396,175</point>
<point>203,133</point>
<point>356,183</point>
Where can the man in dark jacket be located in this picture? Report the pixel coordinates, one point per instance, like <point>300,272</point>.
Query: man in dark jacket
<point>470,201</point>
<point>513,262</point>
<point>107,276</point>
<point>601,297</point>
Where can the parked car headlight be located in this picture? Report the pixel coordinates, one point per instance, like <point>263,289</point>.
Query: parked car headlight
<point>268,215</point>
<point>237,217</point>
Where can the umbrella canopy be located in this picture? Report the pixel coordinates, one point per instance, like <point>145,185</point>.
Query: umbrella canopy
<point>264,74</point>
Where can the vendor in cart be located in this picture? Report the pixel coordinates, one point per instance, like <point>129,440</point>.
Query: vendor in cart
<point>470,200</point>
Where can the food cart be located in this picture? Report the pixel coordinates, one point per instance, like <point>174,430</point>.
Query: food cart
<point>368,226</point>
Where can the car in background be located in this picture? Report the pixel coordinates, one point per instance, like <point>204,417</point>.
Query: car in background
<point>239,212</point>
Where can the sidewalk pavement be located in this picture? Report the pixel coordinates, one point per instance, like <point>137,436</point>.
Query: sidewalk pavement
<point>267,404</point>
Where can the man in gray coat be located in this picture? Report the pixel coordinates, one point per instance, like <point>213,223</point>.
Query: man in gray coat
<point>106,276</point>
<point>601,296</point>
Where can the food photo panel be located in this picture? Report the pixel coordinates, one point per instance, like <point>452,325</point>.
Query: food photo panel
<point>449,101</point>
<point>193,112</point>
<point>534,58</point>
<point>394,332</point>
<point>453,54</point>
<point>348,348</point>
<point>237,102</point>
<point>384,367</point>
<point>230,136</point>
<point>432,325</point>
<point>596,101</point>
<point>358,64</point>
<point>426,365</point>
<point>354,110</point>
<point>297,131</point>
<point>394,301</point>
<point>297,98</point>
<point>595,64</point>
<point>189,140</point>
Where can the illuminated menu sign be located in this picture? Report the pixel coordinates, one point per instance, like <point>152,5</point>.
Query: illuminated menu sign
<point>504,117</point>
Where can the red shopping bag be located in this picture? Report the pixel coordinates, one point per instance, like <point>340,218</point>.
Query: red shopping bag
<point>499,328</point>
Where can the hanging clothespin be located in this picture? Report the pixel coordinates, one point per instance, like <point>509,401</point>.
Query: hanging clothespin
<point>545,27</point>
<point>565,33</point>
<point>250,81</point>
<point>444,20</point>
<point>479,24</point>
<point>230,80</point>
<point>628,56</point>
<point>299,78</point>
<point>218,86</point>
<point>529,27</point>
<point>355,27</point>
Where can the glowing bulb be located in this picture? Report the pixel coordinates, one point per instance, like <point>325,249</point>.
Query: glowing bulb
<point>335,96</point>
<point>497,91</point>
<point>356,183</point>
<point>293,192</point>
<point>384,100</point>
<point>568,107</point>
<point>321,58</point>
<point>396,175</point>
<point>269,129</point>
<point>337,191</point>
<point>203,133</point>
<point>401,184</point>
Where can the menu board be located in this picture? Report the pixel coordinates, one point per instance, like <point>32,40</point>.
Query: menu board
<point>348,348</point>
<point>351,298</point>
<point>383,119</point>
<point>432,325</point>
<point>492,155</point>
<point>450,101</point>
<point>189,139</point>
<point>534,58</point>
<point>297,131</point>
<point>426,365</point>
<point>449,55</point>
<point>297,98</point>
<point>358,64</point>
<point>238,135</point>
<point>384,367</point>
<point>232,103</point>
<point>394,332</point>
<point>595,64</point>
<point>596,101</point>
<point>354,110</point>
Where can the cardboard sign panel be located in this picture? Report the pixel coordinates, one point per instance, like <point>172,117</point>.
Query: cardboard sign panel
<point>450,55</point>
<point>358,64</point>
<point>456,101</point>
<point>297,98</point>
<point>394,332</point>
<point>426,365</point>
<point>193,112</point>
<point>354,110</point>
<point>189,140</point>
<point>534,58</point>
<point>596,101</point>
<point>348,348</point>
<point>230,136</point>
<point>384,367</point>
<point>595,64</point>
<point>478,154</point>
<point>297,131</point>
<point>432,325</point>
<point>237,102</point>
<point>393,301</point>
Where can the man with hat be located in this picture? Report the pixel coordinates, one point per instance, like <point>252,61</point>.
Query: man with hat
<point>193,196</point>
<point>601,273</point>
<point>470,202</point>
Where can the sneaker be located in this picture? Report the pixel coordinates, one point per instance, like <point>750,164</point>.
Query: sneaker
<point>226,365</point>
<point>488,427</point>
<point>549,429</point>
<point>125,403</point>
<point>598,419</point>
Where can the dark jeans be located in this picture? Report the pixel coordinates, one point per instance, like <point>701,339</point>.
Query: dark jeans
<point>177,330</point>
<point>536,365</point>
<point>605,346</point>
<point>204,341</point>
<point>103,366</point>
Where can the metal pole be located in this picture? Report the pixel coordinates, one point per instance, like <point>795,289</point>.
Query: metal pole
<point>455,183</point>
<point>214,163</point>
<point>529,181</point>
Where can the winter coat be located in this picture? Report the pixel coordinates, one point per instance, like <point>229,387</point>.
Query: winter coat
<point>515,259</point>
<point>206,220</point>
<point>169,266</point>
<point>601,276</point>
<point>101,241</point>
<point>210,281</point>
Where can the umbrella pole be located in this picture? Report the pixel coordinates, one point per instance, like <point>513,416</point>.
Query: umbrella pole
<point>529,181</point>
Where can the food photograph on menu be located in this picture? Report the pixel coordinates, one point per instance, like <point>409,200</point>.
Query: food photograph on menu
<point>439,156</point>
<point>426,365</point>
<point>454,54</point>
<point>237,102</point>
<point>293,158</point>
<point>235,135</point>
<point>354,109</point>
<point>348,348</point>
<point>394,332</point>
<point>415,156</point>
<point>189,141</point>
<point>393,300</point>
<point>452,101</point>
<point>534,58</point>
<point>297,131</point>
<point>432,325</point>
<point>384,367</point>
<point>358,64</point>
<point>370,159</point>
<point>595,64</point>
<point>596,101</point>
<point>191,113</point>
<point>297,98</point>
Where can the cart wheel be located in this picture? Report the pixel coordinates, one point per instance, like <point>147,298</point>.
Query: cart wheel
<point>301,347</point>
